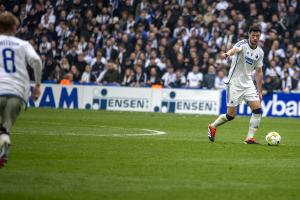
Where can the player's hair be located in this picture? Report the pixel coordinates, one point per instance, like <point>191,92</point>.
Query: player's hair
<point>255,28</point>
<point>8,22</point>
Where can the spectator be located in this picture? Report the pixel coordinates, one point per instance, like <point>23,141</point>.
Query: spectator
<point>75,74</point>
<point>28,6</point>
<point>57,74</point>
<point>45,46</point>
<point>169,77</point>
<point>128,77</point>
<point>86,76</point>
<point>90,51</point>
<point>109,51</point>
<point>53,50</point>
<point>154,61</point>
<point>153,78</point>
<point>72,56</point>
<point>194,78</point>
<point>268,85</point>
<point>81,63</point>
<point>112,75</point>
<point>98,64</point>
<point>82,45</point>
<point>275,73</point>
<point>276,51</point>
<point>48,17</point>
<point>63,33</point>
<point>140,77</point>
<point>180,80</point>
<point>286,82</point>
<point>65,66</point>
<point>295,80</point>
<point>223,18</point>
<point>157,34</point>
<point>49,66</point>
<point>123,54</point>
<point>220,80</point>
<point>209,78</point>
<point>103,17</point>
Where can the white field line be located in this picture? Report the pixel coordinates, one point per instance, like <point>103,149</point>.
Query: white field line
<point>147,132</point>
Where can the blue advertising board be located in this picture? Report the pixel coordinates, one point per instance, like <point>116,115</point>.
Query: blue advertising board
<point>274,105</point>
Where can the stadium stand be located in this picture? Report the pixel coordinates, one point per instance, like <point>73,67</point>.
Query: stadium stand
<point>175,43</point>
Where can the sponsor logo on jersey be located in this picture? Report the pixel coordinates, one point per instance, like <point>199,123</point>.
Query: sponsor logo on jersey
<point>249,60</point>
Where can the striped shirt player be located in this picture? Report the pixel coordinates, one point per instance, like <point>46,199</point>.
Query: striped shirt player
<point>15,55</point>
<point>247,57</point>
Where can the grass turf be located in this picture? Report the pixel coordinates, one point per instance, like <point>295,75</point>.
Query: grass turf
<point>52,158</point>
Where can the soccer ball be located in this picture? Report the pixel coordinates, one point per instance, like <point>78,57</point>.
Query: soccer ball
<point>273,138</point>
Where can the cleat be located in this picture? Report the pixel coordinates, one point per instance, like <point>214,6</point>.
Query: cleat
<point>251,141</point>
<point>211,133</point>
<point>3,160</point>
<point>5,143</point>
<point>4,154</point>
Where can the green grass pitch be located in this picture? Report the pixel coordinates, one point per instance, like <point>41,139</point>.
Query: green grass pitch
<point>79,154</point>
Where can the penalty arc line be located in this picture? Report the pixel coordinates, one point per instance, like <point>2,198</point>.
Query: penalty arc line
<point>149,132</point>
<point>103,126</point>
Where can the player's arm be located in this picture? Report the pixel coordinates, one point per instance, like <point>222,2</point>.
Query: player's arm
<point>259,75</point>
<point>34,60</point>
<point>231,52</point>
<point>37,67</point>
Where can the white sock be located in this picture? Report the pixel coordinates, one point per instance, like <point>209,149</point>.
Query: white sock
<point>254,123</point>
<point>222,119</point>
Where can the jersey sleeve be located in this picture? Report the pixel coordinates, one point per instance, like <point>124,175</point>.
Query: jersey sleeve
<point>240,45</point>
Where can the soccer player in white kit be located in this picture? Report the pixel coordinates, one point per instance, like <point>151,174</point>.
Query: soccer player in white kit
<point>15,54</point>
<point>247,57</point>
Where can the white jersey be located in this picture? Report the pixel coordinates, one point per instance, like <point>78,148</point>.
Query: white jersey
<point>243,64</point>
<point>168,78</point>
<point>194,79</point>
<point>15,54</point>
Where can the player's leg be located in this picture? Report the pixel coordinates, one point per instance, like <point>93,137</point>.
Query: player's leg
<point>11,112</point>
<point>254,103</point>
<point>3,101</point>
<point>3,149</point>
<point>222,119</point>
<point>233,96</point>
<point>254,120</point>
<point>2,105</point>
<point>9,115</point>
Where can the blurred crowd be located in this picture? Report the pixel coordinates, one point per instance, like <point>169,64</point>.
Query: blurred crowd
<point>173,43</point>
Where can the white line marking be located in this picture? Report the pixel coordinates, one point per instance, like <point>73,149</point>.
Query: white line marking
<point>154,132</point>
<point>149,132</point>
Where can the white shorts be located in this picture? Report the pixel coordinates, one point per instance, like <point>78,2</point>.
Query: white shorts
<point>235,95</point>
